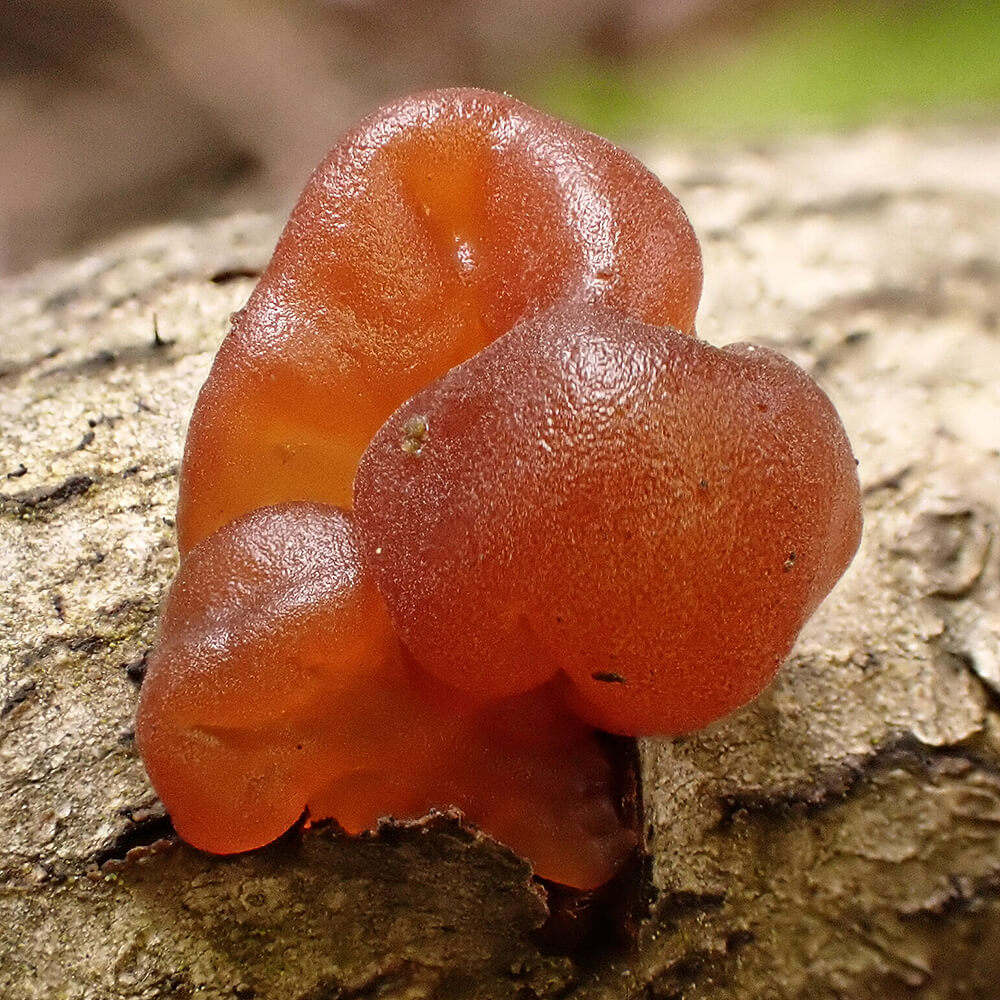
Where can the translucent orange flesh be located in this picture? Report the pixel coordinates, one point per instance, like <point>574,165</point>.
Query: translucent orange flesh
<point>577,516</point>
<point>278,686</point>
<point>427,232</point>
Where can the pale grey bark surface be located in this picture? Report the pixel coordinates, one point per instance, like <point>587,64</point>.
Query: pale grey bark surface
<point>840,838</point>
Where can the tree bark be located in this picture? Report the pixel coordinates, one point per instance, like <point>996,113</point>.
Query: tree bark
<point>838,838</point>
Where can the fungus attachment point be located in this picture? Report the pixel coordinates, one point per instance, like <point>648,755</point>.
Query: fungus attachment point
<point>569,514</point>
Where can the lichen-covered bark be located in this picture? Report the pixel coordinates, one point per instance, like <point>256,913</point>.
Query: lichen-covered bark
<point>839,838</point>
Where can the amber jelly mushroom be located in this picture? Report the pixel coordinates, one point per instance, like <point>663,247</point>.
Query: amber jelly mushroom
<point>278,686</point>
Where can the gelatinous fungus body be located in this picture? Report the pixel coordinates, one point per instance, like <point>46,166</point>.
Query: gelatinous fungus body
<point>270,629</point>
<point>569,514</point>
<point>427,232</point>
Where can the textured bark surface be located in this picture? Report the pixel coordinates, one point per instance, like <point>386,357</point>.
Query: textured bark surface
<point>839,838</point>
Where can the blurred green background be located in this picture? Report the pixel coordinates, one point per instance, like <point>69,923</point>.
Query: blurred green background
<point>119,112</point>
<point>808,66</point>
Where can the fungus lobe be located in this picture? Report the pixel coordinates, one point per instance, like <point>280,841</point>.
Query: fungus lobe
<point>427,232</point>
<point>556,521</point>
<point>278,685</point>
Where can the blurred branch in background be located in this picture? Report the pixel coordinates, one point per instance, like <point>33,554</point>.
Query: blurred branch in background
<point>114,112</point>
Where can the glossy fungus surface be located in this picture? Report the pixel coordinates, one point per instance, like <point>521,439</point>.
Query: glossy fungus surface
<point>270,628</point>
<point>647,515</point>
<point>462,488</point>
<point>427,232</point>
<point>279,686</point>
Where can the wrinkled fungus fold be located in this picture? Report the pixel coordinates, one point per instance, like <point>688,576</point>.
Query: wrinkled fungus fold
<point>463,489</point>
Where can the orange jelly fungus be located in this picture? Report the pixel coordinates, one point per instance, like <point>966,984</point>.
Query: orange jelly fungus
<point>568,512</point>
<point>278,685</point>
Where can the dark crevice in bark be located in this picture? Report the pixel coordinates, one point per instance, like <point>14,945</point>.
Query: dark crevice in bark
<point>230,274</point>
<point>675,906</point>
<point>892,482</point>
<point>591,927</point>
<point>47,496</point>
<point>962,895</point>
<point>905,752</point>
<point>21,693</point>
<point>863,203</point>
<point>14,369</point>
<point>135,669</point>
<point>991,692</point>
<point>124,621</point>
<point>149,827</point>
<point>927,300</point>
<point>155,353</point>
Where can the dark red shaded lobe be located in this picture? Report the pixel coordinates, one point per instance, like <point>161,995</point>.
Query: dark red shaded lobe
<point>650,517</point>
